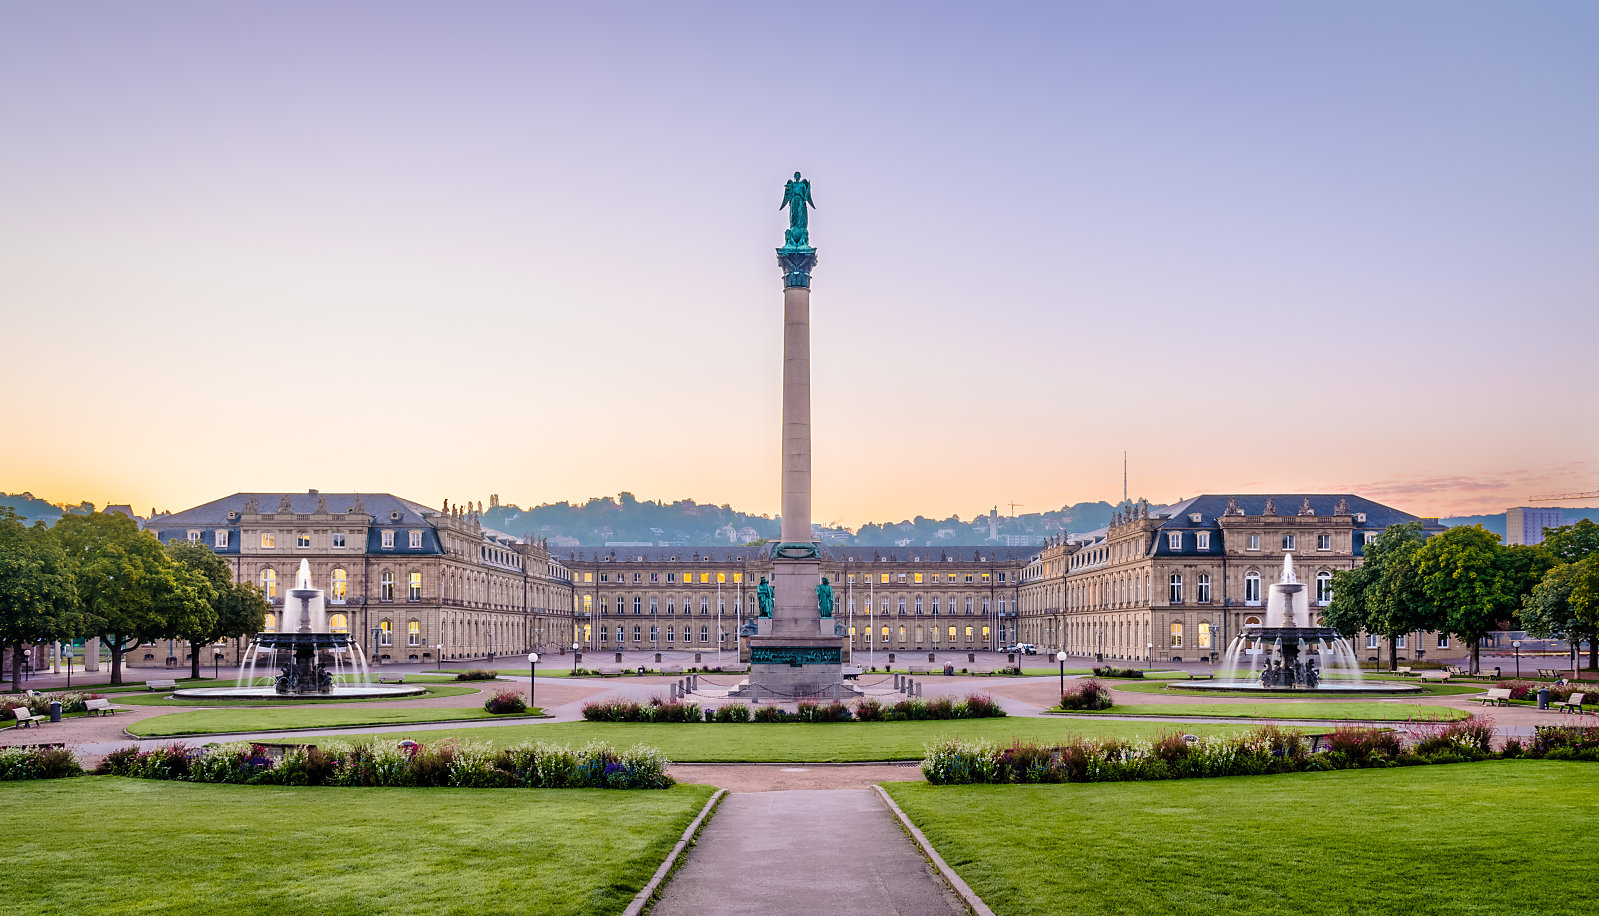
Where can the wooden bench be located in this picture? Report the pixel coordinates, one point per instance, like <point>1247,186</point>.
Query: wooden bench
<point>1550,673</point>
<point>391,679</point>
<point>161,685</point>
<point>851,674</point>
<point>1498,696</point>
<point>1201,677</point>
<point>1403,669</point>
<point>671,669</point>
<point>1455,670</point>
<point>100,707</point>
<point>1574,703</point>
<point>1434,675</point>
<point>25,718</point>
<point>921,669</point>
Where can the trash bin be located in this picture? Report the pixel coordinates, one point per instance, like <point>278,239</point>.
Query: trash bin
<point>1497,675</point>
<point>55,711</point>
<point>1543,697</point>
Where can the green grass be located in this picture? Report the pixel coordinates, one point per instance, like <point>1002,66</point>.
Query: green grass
<point>274,718</point>
<point>1418,841</point>
<point>146,848</point>
<point>162,699</point>
<point>1432,690</point>
<point>1369,712</point>
<point>798,742</point>
<point>139,687</point>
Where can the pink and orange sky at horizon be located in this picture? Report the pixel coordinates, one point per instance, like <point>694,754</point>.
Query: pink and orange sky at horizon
<point>449,250</point>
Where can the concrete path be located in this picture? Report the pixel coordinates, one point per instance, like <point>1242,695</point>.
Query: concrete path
<point>799,853</point>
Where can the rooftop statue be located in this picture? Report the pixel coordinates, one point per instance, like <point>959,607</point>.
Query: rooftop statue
<point>797,198</point>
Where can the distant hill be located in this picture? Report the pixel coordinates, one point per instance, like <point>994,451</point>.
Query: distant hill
<point>1496,523</point>
<point>33,509</point>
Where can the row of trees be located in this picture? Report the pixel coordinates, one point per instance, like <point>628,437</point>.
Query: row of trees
<point>1464,582</point>
<point>99,575</point>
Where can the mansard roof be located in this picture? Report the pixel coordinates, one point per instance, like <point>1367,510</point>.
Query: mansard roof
<point>380,506</point>
<point>835,553</point>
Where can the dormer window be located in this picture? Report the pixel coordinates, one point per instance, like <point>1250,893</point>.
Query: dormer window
<point>221,538</point>
<point>1202,540</point>
<point>416,540</point>
<point>1174,540</point>
<point>388,540</point>
<point>194,536</point>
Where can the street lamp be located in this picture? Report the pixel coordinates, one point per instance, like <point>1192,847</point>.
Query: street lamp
<point>533,673</point>
<point>438,657</point>
<point>1061,657</point>
<point>1516,644</point>
<point>69,665</point>
<point>575,656</point>
<point>216,663</point>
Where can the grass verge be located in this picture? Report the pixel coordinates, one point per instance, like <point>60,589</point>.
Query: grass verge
<point>546,851</point>
<point>1407,842</point>
<point>162,699</point>
<point>1360,712</point>
<point>222,721</point>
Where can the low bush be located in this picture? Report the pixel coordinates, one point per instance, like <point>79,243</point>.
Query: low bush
<point>1519,690</point>
<point>615,711</point>
<point>869,709</point>
<point>39,703</point>
<point>816,712</point>
<point>18,763</point>
<point>1361,745</point>
<point>444,764</point>
<point>1565,742</point>
<point>660,710</point>
<point>732,712</point>
<point>981,706</point>
<point>476,674</point>
<point>769,714</point>
<point>1108,671</point>
<point>1086,694</point>
<point>506,702</point>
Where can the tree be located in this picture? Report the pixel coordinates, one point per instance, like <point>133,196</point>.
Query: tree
<point>37,601</point>
<point>1570,543</point>
<point>1478,584</point>
<point>1565,603</point>
<point>236,609</point>
<point>128,589</point>
<point>1384,595</point>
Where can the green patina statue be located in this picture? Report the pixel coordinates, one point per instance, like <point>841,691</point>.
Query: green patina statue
<point>764,599</point>
<point>824,598</point>
<point>797,198</point>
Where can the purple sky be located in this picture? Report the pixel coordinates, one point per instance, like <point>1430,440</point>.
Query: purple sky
<point>448,250</point>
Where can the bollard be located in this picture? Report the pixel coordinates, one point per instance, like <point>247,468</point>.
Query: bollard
<point>891,658</point>
<point>931,658</point>
<point>618,658</point>
<point>755,695</point>
<point>918,689</point>
<point>657,658</point>
<point>696,658</point>
<point>971,657</point>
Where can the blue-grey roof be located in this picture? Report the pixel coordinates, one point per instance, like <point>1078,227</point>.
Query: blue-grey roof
<point>378,505</point>
<point>1211,507</point>
<point>834,553</point>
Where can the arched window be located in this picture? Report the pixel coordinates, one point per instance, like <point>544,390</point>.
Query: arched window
<point>1177,635</point>
<point>269,582</point>
<point>386,586</point>
<point>1252,588</point>
<point>1324,588</point>
<point>1204,636</point>
<point>902,633</point>
<point>341,584</point>
<point>1176,588</point>
<point>413,633</point>
<point>705,634</point>
<point>385,633</point>
<point>670,635</point>
<point>338,623</point>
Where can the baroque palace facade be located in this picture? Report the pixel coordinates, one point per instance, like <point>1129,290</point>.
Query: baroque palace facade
<point>1177,583</point>
<point>888,599</point>
<point>416,583</point>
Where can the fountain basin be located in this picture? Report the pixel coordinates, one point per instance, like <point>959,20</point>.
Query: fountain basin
<point>340,692</point>
<point>1323,687</point>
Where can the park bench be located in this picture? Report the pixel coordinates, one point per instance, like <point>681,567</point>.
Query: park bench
<point>161,685</point>
<point>1455,670</point>
<point>1498,696</point>
<point>1550,673</point>
<point>851,674</point>
<point>25,718</point>
<point>1404,669</point>
<point>921,669</point>
<point>100,707</point>
<point>671,669</point>
<point>391,679</point>
<point>1434,675</point>
<point>1201,677</point>
<point>1574,703</point>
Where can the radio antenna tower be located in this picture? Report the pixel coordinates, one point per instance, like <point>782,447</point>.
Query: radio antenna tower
<point>1124,476</point>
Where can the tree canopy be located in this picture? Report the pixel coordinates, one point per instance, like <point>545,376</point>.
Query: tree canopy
<point>235,609</point>
<point>1570,543</point>
<point>38,602</point>
<point>1384,595</point>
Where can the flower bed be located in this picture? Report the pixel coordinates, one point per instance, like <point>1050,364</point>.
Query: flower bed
<point>1086,694</point>
<point>18,763</point>
<point>973,706</point>
<point>505,703</point>
<point>1264,750</point>
<point>39,704</point>
<point>1108,671</point>
<point>444,764</point>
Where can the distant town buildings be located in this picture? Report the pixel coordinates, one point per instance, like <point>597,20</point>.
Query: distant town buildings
<point>1525,525</point>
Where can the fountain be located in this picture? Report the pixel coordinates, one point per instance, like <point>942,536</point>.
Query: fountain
<point>1289,652</point>
<point>304,675</point>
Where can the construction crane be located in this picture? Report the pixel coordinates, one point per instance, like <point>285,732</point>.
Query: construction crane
<point>1592,494</point>
<point>1013,506</point>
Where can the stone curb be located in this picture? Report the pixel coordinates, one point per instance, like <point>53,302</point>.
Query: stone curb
<point>642,899</point>
<point>960,887</point>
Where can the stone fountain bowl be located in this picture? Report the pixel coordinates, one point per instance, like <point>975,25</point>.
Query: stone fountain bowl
<point>1329,687</point>
<point>267,692</point>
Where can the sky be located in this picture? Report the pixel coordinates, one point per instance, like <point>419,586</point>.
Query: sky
<point>448,250</point>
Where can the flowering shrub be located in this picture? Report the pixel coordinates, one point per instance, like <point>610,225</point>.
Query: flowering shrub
<point>1471,737</point>
<point>815,712</point>
<point>956,762</point>
<point>769,714</point>
<point>1519,690</point>
<point>656,710</point>
<point>1361,745</point>
<point>869,709</point>
<point>981,706</point>
<point>1086,694</point>
<point>506,702</point>
<point>18,763</point>
<point>39,704</point>
<point>732,712</point>
<point>446,763</point>
<point>1565,742</point>
<point>476,674</point>
<point>1108,671</point>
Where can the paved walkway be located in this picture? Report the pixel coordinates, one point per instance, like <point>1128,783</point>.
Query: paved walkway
<point>798,853</point>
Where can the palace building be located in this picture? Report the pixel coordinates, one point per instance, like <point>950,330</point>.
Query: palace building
<point>416,582</point>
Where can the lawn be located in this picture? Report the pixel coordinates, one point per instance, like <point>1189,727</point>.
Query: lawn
<point>1409,842</point>
<point>1173,689</point>
<point>798,742</point>
<point>163,699</point>
<point>275,718</point>
<point>1279,709</point>
<point>131,846</point>
<point>139,686</point>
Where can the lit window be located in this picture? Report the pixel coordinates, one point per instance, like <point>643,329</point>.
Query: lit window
<point>1202,540</point>
<point>705,577</point>
<point>588,577</point>
<point>1176,583</point>
<point>1253,542</point>
<point>341,585</point>
<point>1252,588</point>
<point>985,577</point>
<point>416,586</point>
<point>271,623</point>
<point>385,633</point>
<point>1203,596</point>
<point>413,633</point>
<point>388,540</point>
<point>1323,542</point>
<point>1176,636</point>
<point>269,582</point>
<point>302,540</point>
<point>1324,588</point>
<point>338,541</point>
<point>918,578</point>
<point>1204,636</point>
<point>1174,540</point>
<point>416,540</point>
<point>268,540</point>
<point>721,577</point>
<point>884,579</point>
<point>386,587</point>
<point>1288,542</point>
<point>222,538</point>
<point>338,623</point>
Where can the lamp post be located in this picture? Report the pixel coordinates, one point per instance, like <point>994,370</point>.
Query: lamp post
<point>216,663</point>
<point>532,676</point>
<point>718,620</point>
<point>575,656</point>
<point>69,665</point>
<point>1061,657</point>
<point>1149,656</point>
<point>438,657</point>
<point>1516,644</point>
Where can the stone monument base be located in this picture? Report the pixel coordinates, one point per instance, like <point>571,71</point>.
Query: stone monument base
<point>787,669</point>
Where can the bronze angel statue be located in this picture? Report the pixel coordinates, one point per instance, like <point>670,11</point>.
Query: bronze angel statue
<point>797,198</point>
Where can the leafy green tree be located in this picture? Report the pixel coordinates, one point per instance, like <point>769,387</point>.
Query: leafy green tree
<point>1565,604</point>
<point>129,590</point>
<point>37,600</point>
<point>1478,584</point>
<point>237,609</point>
<point>1570,543</point>
<point>1384,595</point>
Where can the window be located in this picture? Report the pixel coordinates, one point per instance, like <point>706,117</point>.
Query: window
<point>385,633</point>
<point>1202,540</point>
<point>269,582</point>
<point>636,632</point>
<point>670,636</point>
<point>302,540</point>
<point>268,540</point>
<point>1252,588</point>
<point>985,577</point>
<point>705,634</point>
<point>655,606</point>
<point>1400,642</point>
<point>603,634</point>
<point>341,585</point>
<point>1176,583</point>
<point>416,540</point>
<point>1288,542</point>
<point>338,623</point>
<point>1323,588</point>
<point>721,577</point>
<point>655,633</point>
<point>638,605</point>
<point>1371,640</point>
<point>415,580</point>
<point>413,633</point>
<point>222,538</point>
<point>1176,636</point>
<point>918,605</point>
<point>1253,542</point>
<point>1204,636</point>
<point>1368,537</point>
<point>194,536</point>
<point>705,577</point>
<point>271,623</point>
<point>1443,640</point>
<point>1204,598</point>
<point>1323,542</point>
<point>338,541</point>
<point>388,540</point>
<point>386,587</point>
<point>985,604</point>
<point>588,577</point>
<point>738,577</point>
<point>902,607</point>
<point>655,577</point>
<point>1174,540</point>
<point>620,635</point>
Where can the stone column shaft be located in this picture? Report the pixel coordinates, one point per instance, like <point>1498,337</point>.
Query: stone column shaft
<point>796,414</point>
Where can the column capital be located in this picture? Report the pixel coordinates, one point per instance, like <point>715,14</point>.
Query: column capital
<point>796,264</point>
